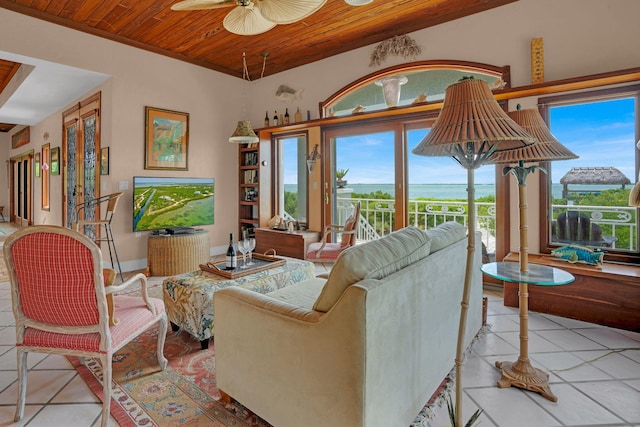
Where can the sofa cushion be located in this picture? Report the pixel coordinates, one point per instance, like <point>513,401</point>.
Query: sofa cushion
<point>446,234</point>
<point>302,294</point>
<point>373,260</point>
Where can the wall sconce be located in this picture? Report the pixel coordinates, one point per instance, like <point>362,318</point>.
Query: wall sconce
<point>312,158</point>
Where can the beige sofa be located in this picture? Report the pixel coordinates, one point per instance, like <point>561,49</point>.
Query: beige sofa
<point>366,347</point>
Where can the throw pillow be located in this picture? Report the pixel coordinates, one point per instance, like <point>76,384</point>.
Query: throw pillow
<point>446,234</point>
<point>373,260</point>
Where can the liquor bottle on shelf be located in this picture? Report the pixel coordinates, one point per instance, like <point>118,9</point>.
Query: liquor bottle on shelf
<point>286,116</point>
<point>231,261</point>
<point>275,119</point>
<point>266,119</point>
<point>297,116</point>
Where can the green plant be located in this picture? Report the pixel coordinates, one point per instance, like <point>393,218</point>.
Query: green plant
<point>453,415</point>
<point>340,173</point>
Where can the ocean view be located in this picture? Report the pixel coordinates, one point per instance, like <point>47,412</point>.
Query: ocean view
<point>442,191</point>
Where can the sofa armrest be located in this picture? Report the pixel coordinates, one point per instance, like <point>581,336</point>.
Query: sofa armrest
<point>238,295</point>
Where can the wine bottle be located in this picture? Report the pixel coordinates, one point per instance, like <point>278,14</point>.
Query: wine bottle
<point>275,119</point>
<point>298,116</point>
<point>232,260</point>
<point>286,116</point>
<point>266,119</point>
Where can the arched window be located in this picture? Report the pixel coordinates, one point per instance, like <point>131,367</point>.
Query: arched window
<point>407,84</point>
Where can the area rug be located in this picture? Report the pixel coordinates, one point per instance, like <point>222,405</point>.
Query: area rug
<point>185,393</point>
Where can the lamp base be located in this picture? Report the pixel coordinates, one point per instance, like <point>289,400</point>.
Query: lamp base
<point>522,375</point>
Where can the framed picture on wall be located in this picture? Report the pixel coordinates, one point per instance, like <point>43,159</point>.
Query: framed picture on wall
<point>55,161</point>
<point>20,138</point>
<point>104,161</point>
<point>36,161</point>
<point>166,139</point>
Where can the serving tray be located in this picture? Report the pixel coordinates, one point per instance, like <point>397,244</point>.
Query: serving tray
<point>261,262</point>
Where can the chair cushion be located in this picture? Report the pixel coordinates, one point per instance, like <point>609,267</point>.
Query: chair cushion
<point>329,252</point>
<point>131,311</point>
<point>446,234</point>
<point>373,260</point>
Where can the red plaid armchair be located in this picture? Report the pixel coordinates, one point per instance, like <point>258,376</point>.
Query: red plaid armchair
<point>60,303</point>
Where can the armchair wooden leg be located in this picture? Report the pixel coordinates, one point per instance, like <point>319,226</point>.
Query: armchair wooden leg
<point>22,384</point>
<point>106,388</point>
<point>162,334</point>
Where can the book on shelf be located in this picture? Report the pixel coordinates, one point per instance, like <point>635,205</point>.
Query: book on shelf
<point>250,176</point>
<point>251,159</point>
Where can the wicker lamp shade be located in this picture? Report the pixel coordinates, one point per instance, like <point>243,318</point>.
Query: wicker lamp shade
<point>244,133</point>
<point>247,21</point>
<point>548,147</point>
<point>288,11</point>
<point>471,115</point>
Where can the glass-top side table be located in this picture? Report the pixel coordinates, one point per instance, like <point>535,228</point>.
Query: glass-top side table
<point>520,373</point>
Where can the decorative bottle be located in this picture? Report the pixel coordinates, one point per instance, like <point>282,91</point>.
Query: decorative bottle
<point>297,116</point>
<point>231,260</point>
<point>286,116</point>
<point>266,119</point>
<point>275,119</point>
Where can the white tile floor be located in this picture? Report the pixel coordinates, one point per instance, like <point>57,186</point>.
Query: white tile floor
<point>595,372</point>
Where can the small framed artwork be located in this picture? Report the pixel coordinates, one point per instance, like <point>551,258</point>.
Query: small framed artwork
<point>104,161</point>
<point>36,161</point>
<point>166,139</point>
<point>55,161</point>
<point>20,138</point>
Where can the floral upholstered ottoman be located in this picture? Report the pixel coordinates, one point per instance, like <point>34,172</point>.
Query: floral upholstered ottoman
<point>188,297</point>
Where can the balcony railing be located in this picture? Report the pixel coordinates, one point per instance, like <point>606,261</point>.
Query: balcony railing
<point>377,217</point>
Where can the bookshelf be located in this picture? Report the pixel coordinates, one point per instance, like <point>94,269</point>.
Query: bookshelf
<point>253,188</point>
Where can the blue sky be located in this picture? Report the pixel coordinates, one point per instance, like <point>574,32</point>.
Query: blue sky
<point>601,133</point>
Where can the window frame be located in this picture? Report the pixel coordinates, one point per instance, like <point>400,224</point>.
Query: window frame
<point>275,170</point>
<point>503,73</point>
<point>544,105</point>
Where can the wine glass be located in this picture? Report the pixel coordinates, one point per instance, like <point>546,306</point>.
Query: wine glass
<point>242,247</point>
<point>250,248</point>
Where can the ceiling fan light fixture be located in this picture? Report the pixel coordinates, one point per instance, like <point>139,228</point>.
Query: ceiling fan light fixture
<point>288,11</point>
<point>246,21</point>
<point>357,2</point>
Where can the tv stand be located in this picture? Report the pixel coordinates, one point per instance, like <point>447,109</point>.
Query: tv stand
<point>171,254</point>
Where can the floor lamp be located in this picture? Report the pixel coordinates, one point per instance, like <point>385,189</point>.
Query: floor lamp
<point>521,373</point>
<point>470,128</point>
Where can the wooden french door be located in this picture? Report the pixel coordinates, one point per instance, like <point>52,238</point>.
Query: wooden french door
<point>20,209</point>
<point>80,145</point>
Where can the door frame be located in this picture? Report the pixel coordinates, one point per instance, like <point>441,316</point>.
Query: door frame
<point>26,157</point>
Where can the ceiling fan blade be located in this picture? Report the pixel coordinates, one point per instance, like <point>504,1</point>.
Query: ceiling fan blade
<point>246,21</point>
<point>202,4</point>
<point>288,11</point>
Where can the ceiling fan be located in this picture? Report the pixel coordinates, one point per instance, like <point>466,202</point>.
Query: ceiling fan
<point>250,17</point>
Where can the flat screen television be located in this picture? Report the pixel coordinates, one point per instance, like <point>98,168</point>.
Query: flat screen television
<point>172,205</point>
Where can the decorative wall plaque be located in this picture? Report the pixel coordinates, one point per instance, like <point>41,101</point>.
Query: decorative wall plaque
<point>537,60</point>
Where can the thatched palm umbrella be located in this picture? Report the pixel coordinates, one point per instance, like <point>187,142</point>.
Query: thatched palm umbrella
<point>593,176</point>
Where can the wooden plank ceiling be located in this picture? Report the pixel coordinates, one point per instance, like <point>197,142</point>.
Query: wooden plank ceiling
<point>198,37</point>
<point>7,71</point>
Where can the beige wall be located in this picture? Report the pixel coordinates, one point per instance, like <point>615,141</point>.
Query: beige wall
<point>581,37</point>
<point>138,79</point>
